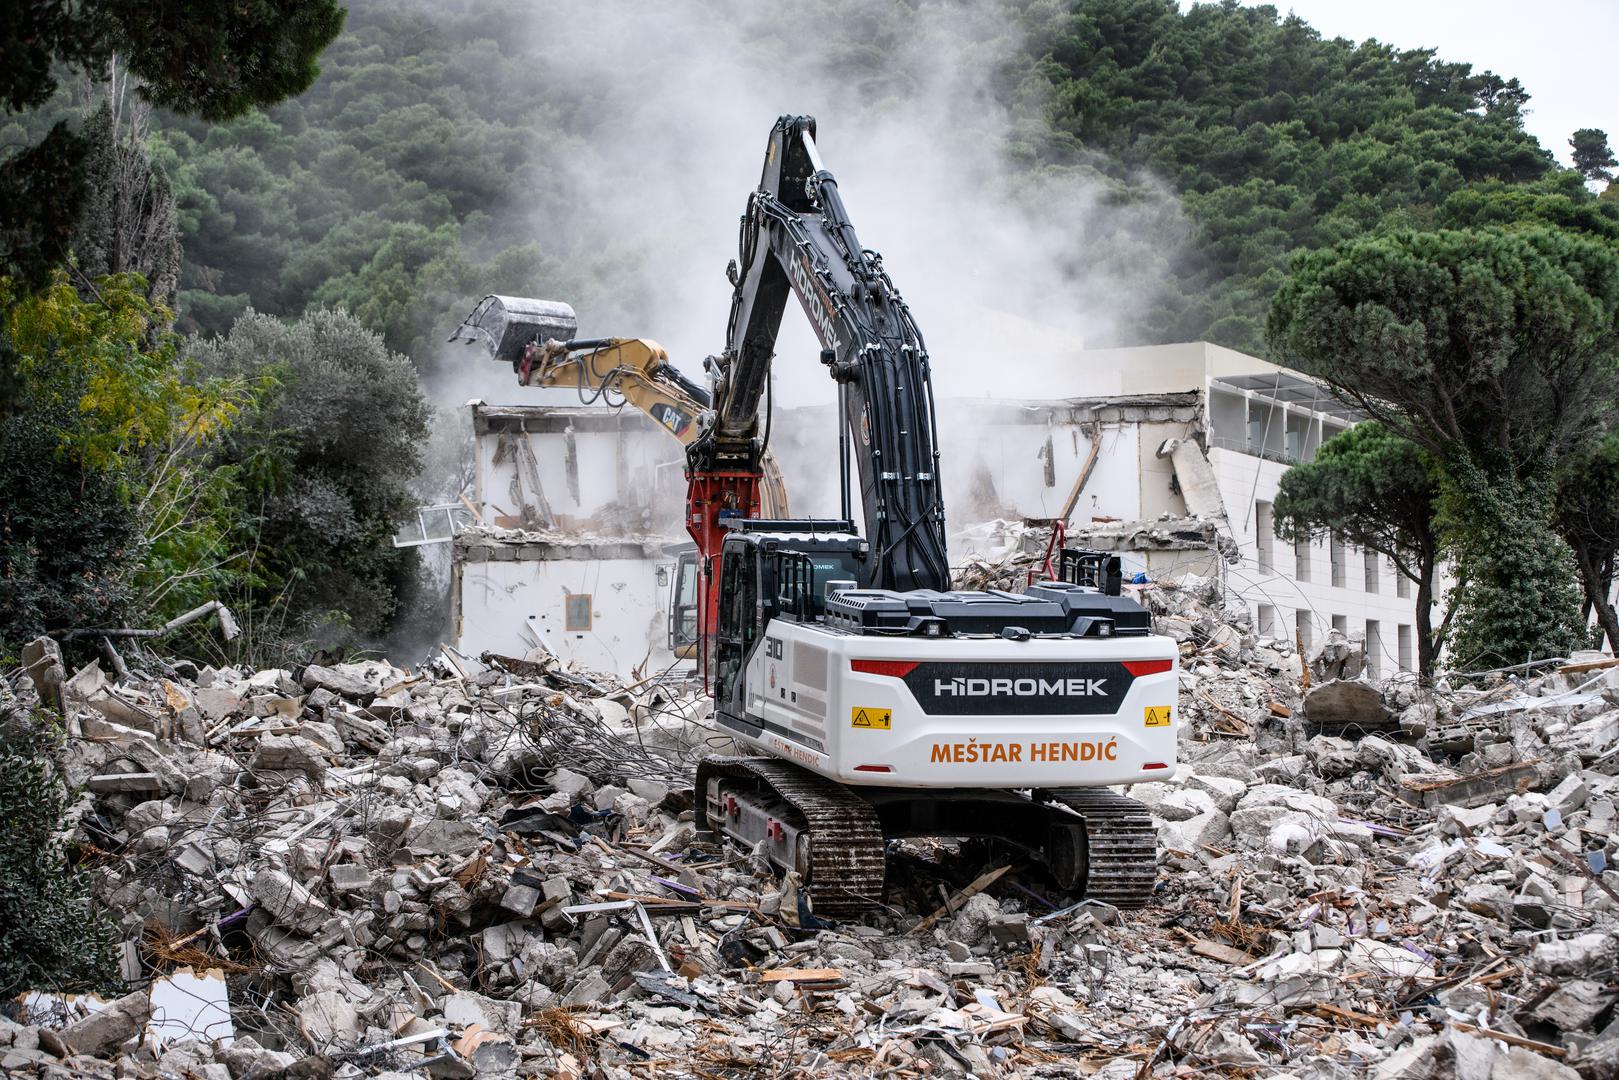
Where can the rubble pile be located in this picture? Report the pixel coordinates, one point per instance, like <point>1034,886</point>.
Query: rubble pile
<point>490,869</point>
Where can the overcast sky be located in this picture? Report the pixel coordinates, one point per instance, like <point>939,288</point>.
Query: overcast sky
<point>1562,51</point>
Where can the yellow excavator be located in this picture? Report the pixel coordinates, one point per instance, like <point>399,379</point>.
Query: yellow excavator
<point>537,338</point>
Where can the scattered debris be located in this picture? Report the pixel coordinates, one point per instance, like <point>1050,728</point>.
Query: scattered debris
<point>488,868</point>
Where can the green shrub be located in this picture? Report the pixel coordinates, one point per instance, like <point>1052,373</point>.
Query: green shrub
<point>54,935</point>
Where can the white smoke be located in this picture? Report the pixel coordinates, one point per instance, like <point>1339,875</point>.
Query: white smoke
<point>1010,270</point>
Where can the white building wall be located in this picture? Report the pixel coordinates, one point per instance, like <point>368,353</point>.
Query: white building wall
<point>1247,480</point>
<point>613,485</point>
<point>618,607</point>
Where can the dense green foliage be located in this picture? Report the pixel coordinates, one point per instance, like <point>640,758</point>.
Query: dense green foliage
<point>429,162</point>
<point>67,539</point>
<point>111,505</point>
<point>215,60</point>
<point>1378,491</point>
<point>1276,138</point>
<point>1593,158</point>
<point>324,464</point>
<point>1498,352</point>
<point>53,936</point>
<point>1588,518</point>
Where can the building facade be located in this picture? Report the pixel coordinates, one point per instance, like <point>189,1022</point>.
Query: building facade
<point>1251,421</point>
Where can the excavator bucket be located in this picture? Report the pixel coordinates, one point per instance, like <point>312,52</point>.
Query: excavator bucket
<point>505,324</point>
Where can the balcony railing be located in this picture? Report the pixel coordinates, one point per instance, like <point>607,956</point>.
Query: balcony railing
<point>1243,446</point>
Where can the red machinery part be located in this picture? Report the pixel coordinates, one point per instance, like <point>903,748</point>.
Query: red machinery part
<point>711,497</point>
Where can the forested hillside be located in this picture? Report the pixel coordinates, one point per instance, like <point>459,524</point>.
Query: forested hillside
<point>414,173</point>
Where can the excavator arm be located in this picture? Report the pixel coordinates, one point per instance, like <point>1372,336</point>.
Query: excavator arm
<point>797,238</point>
<point>615,371</point>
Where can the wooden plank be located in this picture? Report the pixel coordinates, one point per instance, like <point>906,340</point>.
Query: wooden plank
<point>1333,1012</point>
<point>983,882</point>
<point>800,975</point>
<point>1589,665</point>
<point>1512,1040</point>
<point>1223,953</point>
<point>1214,950</point>
<point>1072,501</point>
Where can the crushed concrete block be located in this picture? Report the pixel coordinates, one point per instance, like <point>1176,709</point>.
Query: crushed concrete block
<point>653,791</point>
<point>440,837</point>
<point>1464,821</point>
<point>1345,705</point>
<point>1210,829</point>
<point>349,877</point>
<point>1577,956</point>
<point>1184,804</point>
<point>1599,1058</point>
<point>1569,795</point>
<point>219,702</point>
<point>342,683</point>
<point>1416,1060</point>
<point>292,753</point>
<point>971,923</point>
<point>1521,1064</point>
<point>590,990</point>
<point>1340,657</point>
<point>108,1028</point>
<point>323,735</point>
<point>1575,1005</point>
<point>132,782</point>
<point>1225,791</point>
<point>42,663</point>
<point>467,1008</point>
<point>329,1019</point>
<point>288,902</point>
<point>571,783</point>
<point>520,899</point>
<point>1010,930</point>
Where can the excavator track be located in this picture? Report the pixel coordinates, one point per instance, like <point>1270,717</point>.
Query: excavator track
<point>1121,844</point>
<point>846,839</point>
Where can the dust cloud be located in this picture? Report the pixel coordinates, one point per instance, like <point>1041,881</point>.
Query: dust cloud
<point>663,113</point>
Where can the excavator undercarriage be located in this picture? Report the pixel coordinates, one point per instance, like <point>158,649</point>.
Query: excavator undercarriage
<point>1092,841</point>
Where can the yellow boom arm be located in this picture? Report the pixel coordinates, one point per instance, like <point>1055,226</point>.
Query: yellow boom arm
<point>638,370</point>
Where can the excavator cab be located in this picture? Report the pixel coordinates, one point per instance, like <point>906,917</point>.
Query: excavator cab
<point>770,569</point>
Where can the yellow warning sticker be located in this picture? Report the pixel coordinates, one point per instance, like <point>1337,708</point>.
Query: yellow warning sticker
<point>882,719</point>
<point>1158,715</point>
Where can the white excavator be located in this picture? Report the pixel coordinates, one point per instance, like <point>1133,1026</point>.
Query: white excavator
<point>879,702</point>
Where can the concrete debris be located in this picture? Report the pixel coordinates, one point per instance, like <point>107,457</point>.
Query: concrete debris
<point>489,868</point>
<point>1347,705</point>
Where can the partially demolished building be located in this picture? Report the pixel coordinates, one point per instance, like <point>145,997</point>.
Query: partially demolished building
<point>576,541</point>
<point>1176,467</point>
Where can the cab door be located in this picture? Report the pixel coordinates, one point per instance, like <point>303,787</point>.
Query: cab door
<point>684,598</point>
<point>738,629</point>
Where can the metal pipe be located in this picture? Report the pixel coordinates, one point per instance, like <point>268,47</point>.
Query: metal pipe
<point>843,451</point>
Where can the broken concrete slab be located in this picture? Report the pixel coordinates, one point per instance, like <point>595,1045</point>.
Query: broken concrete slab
<point>1347,706</point>
<point>337,681</point>
<point>110,1026</point>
